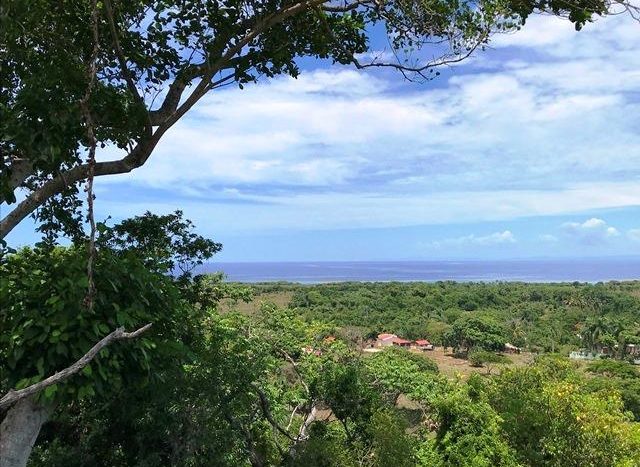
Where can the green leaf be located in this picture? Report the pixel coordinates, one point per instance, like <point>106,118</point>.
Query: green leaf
<point>50,391</point>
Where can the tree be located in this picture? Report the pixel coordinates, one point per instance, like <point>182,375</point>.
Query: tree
<point>82,76</point>
<point>550,419</point>
<point>471,332</point>
<point>45,328</point>
<point>166,244</point>
<point>469,434</point>
<point>487,359</point>
<point>46,325</point>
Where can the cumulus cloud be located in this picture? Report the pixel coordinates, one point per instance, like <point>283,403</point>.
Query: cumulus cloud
<point>592,230</point>
<point>497,238</point>
<point>490,142</point>
<point>634,234</point>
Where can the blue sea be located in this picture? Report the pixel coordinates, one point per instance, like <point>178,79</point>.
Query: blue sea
<point>582,270</point>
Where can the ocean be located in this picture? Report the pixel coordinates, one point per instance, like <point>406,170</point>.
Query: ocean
<point>581,270</point>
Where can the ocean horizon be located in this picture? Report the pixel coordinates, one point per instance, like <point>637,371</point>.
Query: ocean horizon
<point>530,270</point>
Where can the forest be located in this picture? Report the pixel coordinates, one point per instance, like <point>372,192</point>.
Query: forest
<point>213,384</point>
<point>552,318</point>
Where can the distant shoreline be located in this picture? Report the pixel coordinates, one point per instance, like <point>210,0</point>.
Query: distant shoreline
<point>524,271</point>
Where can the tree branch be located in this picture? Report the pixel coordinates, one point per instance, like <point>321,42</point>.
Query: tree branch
<point>171,115</point>
<point>120,54</point>
<point>119,334</point>
<point>266,411</point>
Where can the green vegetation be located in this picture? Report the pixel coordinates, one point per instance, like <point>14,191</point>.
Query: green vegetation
<point>536,317</point>
<point>290,385</point>
<point>487,359</point>
<point>113,354</point>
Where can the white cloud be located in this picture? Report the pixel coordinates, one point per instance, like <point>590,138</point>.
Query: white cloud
<point>497,238</point>
<point>368,208</point>
<point>548,238</point>
<point>547,133</point>
<point>592,230</point>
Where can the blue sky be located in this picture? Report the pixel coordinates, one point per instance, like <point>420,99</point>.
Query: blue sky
<point>530,149</point>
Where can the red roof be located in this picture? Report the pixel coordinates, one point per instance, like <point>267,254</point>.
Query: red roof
<point>423,342</point>
<point>398,340</point>
<point>384,337</point>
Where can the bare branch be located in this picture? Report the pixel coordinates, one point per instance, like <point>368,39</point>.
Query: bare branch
<point>119,334</point>
<point>420,69</point>
<point>311,417</point>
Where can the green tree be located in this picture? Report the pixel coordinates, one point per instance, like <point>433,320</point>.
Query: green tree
<point>181,51</point>
<point>469,434</point>
<point>80,76</point>
<point>475,331</point>
<point>551,418</point>
<point>487,359</point>
<point>47,326</point>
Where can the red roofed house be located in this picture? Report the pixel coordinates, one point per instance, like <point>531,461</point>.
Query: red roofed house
<point>385,340</point>
<point>399,342</point>
<point>423,344</point>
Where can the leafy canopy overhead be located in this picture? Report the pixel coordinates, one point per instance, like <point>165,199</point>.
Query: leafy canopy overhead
<point>157,58</point>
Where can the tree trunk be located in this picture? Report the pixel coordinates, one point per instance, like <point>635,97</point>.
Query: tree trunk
<point>19,430</point>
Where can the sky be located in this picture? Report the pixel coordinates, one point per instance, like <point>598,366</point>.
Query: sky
<point>530,149</point>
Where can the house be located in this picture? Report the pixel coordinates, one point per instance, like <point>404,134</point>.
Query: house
<point>510,348</point>
<point>423,344</point>
<point>385,340</point>
<point>399,342</point>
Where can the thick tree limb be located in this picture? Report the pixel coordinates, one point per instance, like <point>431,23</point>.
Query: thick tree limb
<point>119,334</point>
<point>169,114</point>
<point>135,159</point>
<point>311,417</point>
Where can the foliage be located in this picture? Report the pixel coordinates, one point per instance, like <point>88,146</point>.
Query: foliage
<point>391,443</point>
<point>622,377</point>
<point>231,389</point>
<point>396,371</point>
<point>45,327</point>
<point>541,317</point>
<point>550,419</point>
<point>156,59</point>
<point>166,244</point>
<point>613,368</point>
<point>488,359</point>
<point>469,433</point>
<point>475,332</point>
